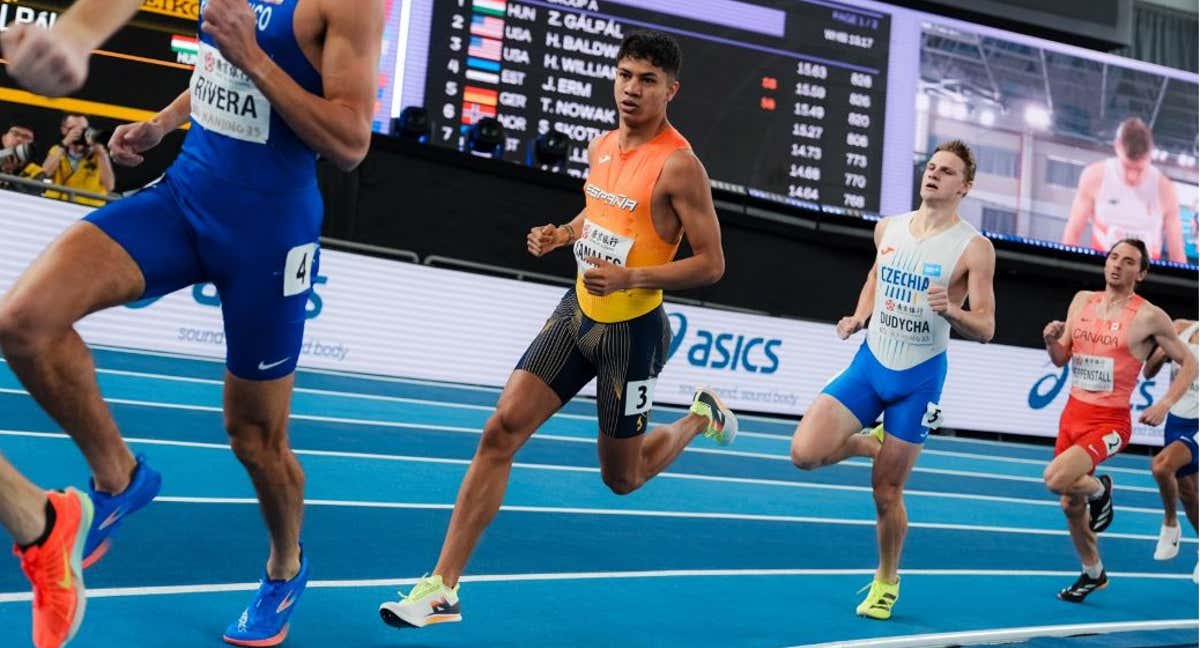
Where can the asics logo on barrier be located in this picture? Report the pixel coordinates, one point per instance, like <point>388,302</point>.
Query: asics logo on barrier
<point>1046,389</point>
<point>206,294</point>
<point>724,350</point>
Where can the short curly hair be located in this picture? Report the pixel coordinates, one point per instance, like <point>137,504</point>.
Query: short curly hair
<point>660,49</point>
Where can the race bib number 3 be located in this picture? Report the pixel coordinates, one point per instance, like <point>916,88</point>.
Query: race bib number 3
<point>297,269</point>
<point>1092,373</point>
<point>639,396</point>
<point>595,241</point>
<point>225,101</point>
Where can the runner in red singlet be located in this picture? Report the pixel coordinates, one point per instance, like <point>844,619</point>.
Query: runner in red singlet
<point>1106,338</point>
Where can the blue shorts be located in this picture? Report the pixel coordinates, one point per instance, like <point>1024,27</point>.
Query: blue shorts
<point>260,250</point>
<point>1184,431</point>
<point>908,399</point>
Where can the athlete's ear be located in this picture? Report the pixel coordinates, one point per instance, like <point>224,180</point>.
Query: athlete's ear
<point>674,89</point>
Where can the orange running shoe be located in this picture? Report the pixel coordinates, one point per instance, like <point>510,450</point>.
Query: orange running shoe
<point>55,569</point>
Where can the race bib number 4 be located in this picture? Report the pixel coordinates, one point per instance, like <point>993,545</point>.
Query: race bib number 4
<point>297,269</point>
<point>1092,373</point>
<point>225,101</point>
<point>595,241</point>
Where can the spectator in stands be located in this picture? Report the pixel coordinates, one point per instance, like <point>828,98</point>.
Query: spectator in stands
<point>17,152</point>
<point>80,162</point>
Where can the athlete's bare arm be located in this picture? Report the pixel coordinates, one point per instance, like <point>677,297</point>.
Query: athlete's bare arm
<point>338,124</point>
<point>685,183</point>
<point>129,141</point>
<point>852,324</point>
<point>1158,358</point>
<point>1084,206</point>
<point>979,323</point>
<point>1057,334</point>
<point>1172,226</point>
<point>54,62</point>
<point>1152,324</point>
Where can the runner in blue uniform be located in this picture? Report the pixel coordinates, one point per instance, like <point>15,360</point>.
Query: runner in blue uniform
<point>277,83</point>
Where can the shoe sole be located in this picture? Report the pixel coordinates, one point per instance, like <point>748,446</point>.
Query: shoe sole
<point>258,643</point>
<point>86,514</point>
<point>394,620</point>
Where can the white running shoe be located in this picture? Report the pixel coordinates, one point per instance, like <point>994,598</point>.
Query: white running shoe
<point>429,602</point>
<point>1168,543</point>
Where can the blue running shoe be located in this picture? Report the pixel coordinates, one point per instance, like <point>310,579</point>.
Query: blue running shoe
<point>111,510</point>
<point>265,621</point>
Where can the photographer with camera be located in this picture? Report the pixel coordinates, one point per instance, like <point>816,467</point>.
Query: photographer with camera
<point>80,162</point>
<point>17,151</point>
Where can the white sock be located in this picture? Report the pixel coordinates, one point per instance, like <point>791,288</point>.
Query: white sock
<point>1094,571</point>
<point>1092,497</point>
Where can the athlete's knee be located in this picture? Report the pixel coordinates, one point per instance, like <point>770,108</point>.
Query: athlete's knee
<point>622,484</point>
<point>888,496</point>
<point>256,444</point>
<point>804,458</point>
<point>23,327</point>
<point>1058,480</point>
<point>1161,468</point>
<point>502,436</point>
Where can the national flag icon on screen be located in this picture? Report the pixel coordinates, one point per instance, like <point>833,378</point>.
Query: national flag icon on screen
<point>480,95</point>
<point>479,76</point>
<point>484,48</point>
<point>770,83</point>
<point>767,103</point>
<point>492,7</point>
<point>473,112</point>
<point>184,45</point>
<point>488,26</point>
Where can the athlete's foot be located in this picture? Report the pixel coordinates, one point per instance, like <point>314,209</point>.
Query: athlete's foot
<point>722,423</point>
<point>1168,543</point>
<point>55,570</point>
<point>112,509</point>
<point>1101,509</point>
<point>264,622</point>
<point>429,602</point>
<point>1083,586</point>
<point>879,601</point>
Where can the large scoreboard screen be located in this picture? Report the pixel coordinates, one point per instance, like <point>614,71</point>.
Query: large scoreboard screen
<point>787,101</point>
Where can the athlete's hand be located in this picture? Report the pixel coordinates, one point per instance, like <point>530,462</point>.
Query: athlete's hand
<point>1155,414</point>
<point>605,278</point>
<point>50,62</point>
<point>130,140</point>
<point>1053,332</point>
<point>233,26</point>
<point>848,326</point>
<point>543,239</point>
<point>939,299</point>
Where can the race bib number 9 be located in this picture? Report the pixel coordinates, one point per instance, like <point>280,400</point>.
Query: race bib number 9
<point>595,241</point>
<point>1092,373</point>
<point>225,101</point>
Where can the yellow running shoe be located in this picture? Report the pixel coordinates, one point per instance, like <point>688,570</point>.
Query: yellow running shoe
<point>878,433</point>
<point>722,423</point>
<point>879,601</point>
